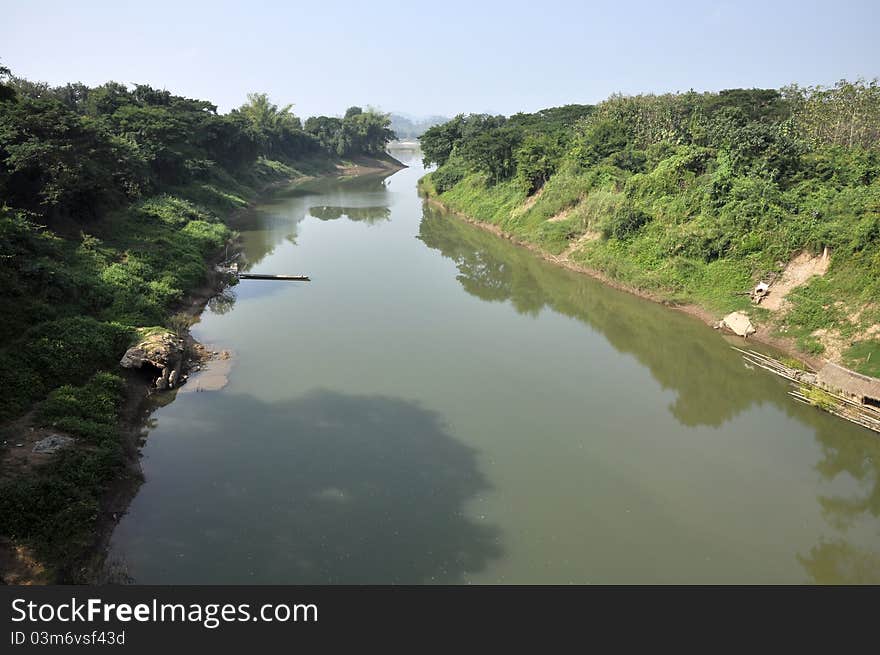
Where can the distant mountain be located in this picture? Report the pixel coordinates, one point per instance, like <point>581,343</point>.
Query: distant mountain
<point>412,127</point>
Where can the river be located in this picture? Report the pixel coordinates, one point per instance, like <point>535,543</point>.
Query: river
<point>441,406</point>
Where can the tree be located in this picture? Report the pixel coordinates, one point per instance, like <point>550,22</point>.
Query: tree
<point>6,91</point>
<point>365,132</point>
<point>492,152</point>
<point>326,130</point>
<point>536,160</point>
<point>53,161</point>
<point>267,116</point>
<point>281,131</point>
<point>600,139</point>
<point>848,114</point>
<point>438,141</point>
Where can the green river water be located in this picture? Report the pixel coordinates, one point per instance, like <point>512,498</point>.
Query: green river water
<point>440,406</point>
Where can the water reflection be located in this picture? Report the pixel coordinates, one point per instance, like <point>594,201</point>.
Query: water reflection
<point>374,493</point>
<point>671,347</point>
<point>857,456</point>
<point>853,457</point>
<point>369,215</point>
<point>666,343</point>
<point>223,302</point>
<point>263,229</point>
<point>837,562</point>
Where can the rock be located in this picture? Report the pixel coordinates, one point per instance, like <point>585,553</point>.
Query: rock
<point>53,443</point>
<point>739,324</point>
<point>172,379</point>
<point>159,349</point>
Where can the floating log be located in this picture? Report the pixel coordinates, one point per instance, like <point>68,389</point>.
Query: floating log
<point>261,276</point>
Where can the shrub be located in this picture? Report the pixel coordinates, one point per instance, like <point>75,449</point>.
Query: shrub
<point>57,353</point>
<point>624,222</point>
<point>62,351</point>
<point>88,411</point>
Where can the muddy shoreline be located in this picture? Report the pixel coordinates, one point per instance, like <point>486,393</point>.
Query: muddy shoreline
<point>763,335</point>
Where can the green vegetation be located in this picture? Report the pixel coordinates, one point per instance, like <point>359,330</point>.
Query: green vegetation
<point>55,508</point>
<point>110,205</point>
<point>693,196</point>
<point>357,132</point>
<point>865,356</point>
<point>819,398</point>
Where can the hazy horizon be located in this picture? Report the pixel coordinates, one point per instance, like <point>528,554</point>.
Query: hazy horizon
<point>422,60</point>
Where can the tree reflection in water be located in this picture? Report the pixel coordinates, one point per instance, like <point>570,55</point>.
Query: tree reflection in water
<point>711,383</point>
<point>368,215</point>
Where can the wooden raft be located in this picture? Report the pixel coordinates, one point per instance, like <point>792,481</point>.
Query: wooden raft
<point>826,399</point>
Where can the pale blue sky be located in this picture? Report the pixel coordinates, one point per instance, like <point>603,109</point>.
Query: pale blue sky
<point>440,57</point>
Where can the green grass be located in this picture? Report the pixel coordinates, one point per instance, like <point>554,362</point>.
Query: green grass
<point>89,411</point>
<point>864,356</point>
<point>819,398</point>
<point>791,362</point>
<point>54,509</point>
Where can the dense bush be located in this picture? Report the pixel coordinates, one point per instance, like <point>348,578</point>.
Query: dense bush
<point>55,508</point>
<point>54,353</point>
<point>88,411</point>
<point>696,195</point>
<point>624,221</point>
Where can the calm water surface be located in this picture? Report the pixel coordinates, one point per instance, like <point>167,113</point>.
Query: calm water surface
<point>441,406</point>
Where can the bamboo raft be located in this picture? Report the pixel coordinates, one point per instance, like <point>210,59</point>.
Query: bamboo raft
<point>805,382</point>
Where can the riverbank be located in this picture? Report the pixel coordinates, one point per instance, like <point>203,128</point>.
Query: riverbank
<point>700,199</point>
<point>764,333</point>
<point>77,554</point>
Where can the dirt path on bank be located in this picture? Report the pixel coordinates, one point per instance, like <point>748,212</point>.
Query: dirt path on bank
<point>798,272</point>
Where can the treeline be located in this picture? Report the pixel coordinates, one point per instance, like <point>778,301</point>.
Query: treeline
<point>697,195</point>
<point>528,146</point>
<point>763,129</point>
<point>111,200</point>
<point>359,131</point>
<point>74,150</point>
